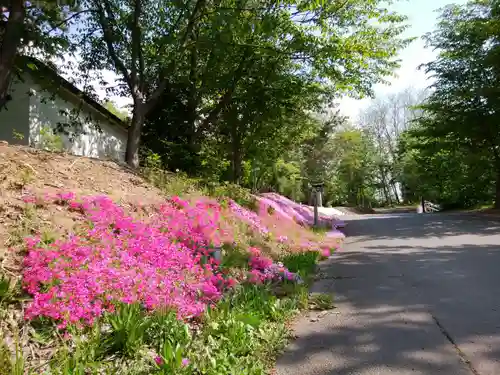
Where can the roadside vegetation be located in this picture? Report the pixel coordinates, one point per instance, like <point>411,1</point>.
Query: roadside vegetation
<point>195,285</point>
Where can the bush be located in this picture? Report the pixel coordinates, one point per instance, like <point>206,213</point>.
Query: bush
<point>237,193</point>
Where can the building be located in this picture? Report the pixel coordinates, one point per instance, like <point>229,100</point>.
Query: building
<point>47,111</point>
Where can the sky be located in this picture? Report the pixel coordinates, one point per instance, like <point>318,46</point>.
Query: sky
<point>422,18</point>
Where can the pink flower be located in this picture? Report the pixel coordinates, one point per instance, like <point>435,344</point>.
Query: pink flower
<point>118,258</point>
<point>159,360</point>
<point>325,252</point>
<point>185,362</point>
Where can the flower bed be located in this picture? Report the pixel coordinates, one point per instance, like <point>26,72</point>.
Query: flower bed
<point>115,257</point>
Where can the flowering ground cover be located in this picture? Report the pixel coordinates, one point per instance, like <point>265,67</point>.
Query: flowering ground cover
<point>298,212</point>
<point>101,274</point>
<point>115,257</point>
<point>162,261</point>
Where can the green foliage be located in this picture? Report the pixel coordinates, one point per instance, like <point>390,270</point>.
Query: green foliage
<point>128,329</point>
<point>10,290</point>
<point>50,141</point>
<point>173,184</point>
<point>241,335</point>
<point>451,153</point>
<point>5,357</point>
<point>234,257</point>
<point>303,263</point>
<point>120,113</point>
<point>235,192</point>
<point>354,178</point>
<point>17,135</point>
<point>219,85</point>
<point>5,288</point>
<point>12,364</point>
<point>320,301</point>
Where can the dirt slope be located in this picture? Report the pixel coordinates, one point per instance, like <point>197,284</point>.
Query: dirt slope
<point>26,170</point>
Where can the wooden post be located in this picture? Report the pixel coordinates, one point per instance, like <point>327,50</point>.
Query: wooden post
<point>317,189</point>
<point>423,205</point>
<point>317,196</point>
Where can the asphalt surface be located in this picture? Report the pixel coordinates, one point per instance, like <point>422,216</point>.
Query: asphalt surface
<point>415,294</point>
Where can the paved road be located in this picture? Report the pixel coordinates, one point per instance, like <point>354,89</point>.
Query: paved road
<point>416,294</point>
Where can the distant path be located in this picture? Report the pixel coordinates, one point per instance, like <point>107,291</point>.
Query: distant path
<point>396,210</point>
<point>416,294</point>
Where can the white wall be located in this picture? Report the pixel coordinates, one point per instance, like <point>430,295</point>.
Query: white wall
<point>82,123</point>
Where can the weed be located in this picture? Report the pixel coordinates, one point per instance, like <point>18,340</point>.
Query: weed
<point>234,257</point>
<point>128,329</point>
<point>27,225</point>
<point>320,301</point>
<point>303,263</point>
<point>173,184</point>
<point>17,135</point>
<point>5,357</point>
<point>237,193</point>
<point>5,288</point>
<point>49,141</point>
<point>9,365</point>
<point>24,177</point>
<point>10,290</point>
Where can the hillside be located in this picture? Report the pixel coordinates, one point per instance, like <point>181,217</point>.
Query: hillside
<point>70,222</point>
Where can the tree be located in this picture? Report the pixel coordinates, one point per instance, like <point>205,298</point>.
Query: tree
<point>133,39</point>
<point>204,50</point>
<point>11,33</point>
<point>385,120</point>
<point>462,113</point>
<point>33,28</point>
<point>356,169</point>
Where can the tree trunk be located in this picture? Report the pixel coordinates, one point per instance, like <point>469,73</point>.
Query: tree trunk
<point>395,190</point>
<point>10,42</point>
<point>497,190</point>
<point>134,136</point>
<point>236,152</point>
<point>387,194</point>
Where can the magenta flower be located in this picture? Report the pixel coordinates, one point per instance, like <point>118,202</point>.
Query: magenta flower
<point>159,360</point>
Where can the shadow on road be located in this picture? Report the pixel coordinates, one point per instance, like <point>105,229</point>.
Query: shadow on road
<point>404,225</point>
<point>416,294</point>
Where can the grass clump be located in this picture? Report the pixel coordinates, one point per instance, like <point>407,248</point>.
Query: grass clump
<point>240,335</point>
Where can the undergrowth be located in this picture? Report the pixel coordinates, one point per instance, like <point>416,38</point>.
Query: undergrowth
<point>240,334</point>
<point>179,184</point>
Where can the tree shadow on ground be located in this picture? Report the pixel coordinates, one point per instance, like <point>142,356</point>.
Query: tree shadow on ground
<point>401,288</point>
<point>410,225</point>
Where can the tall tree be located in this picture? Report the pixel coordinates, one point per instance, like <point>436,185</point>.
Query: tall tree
<point>209,47</point>
<point>135,39</point>
<point>12,21</point>
<point>38,28</point>
<point>386,119</point>
<point>463,110</point>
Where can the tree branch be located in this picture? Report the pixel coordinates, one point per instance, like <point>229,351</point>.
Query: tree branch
<point>136,43</point>
<point>226,98</point>
<point>162,79</point>
<point>59,24</point>
<point>108,38</point>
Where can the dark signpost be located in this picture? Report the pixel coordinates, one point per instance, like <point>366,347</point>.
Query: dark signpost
<point>317,190</point>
